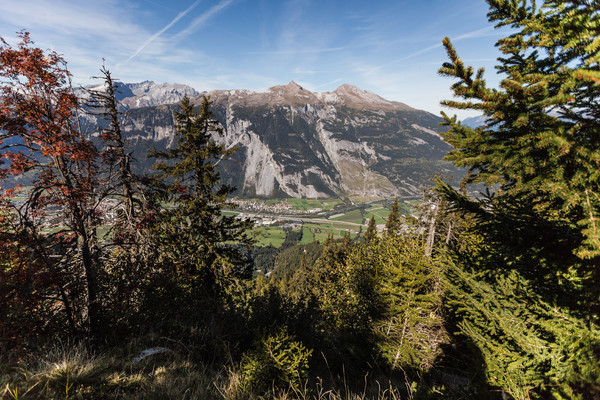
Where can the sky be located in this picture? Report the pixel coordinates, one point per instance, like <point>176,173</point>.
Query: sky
<point>389,47</point>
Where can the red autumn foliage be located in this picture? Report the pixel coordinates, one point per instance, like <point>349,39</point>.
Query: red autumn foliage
<point>38,111</point>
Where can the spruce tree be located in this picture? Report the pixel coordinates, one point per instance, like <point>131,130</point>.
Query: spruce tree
<point>371,233</point>
<point>528,280</point>
<point>392,225</point>
<point>197,237</point>
<point>540,140</point>
<point>408,326</point>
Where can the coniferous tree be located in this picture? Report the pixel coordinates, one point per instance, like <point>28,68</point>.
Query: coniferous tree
<point>115,155</point>
<point>197,237</point>
<point>392,225</point>
<point>371,233</point>
<point>408,325</point>
<point>539,143</point>
<point>529,278</point>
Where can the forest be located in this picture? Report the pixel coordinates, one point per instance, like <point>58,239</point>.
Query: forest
<point>116,285</point>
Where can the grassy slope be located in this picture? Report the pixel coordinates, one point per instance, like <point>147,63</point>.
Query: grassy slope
<point>66,371</point>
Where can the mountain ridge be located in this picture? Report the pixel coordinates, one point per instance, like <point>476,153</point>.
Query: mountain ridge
<point>294,94</point>
<point>296,143</point>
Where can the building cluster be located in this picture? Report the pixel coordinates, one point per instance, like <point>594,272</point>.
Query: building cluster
<point>262,220</point>
<point>283,207</point>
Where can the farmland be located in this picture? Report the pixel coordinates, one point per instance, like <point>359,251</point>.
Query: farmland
<point>314,219</point>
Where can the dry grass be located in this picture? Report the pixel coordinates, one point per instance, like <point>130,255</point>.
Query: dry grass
<point>73,372</point>
<point>68,371</point>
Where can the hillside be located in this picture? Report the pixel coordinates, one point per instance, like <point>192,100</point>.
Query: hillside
<point>296,143</point>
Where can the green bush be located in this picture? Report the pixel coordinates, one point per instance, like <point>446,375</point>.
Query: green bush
<point>278,362</point>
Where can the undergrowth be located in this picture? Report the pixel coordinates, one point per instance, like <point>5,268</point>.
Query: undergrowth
<point>73,371</point>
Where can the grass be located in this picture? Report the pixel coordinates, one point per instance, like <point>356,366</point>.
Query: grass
<point>234,213</point>
<point>308,235</point>
<point>380,213</point>
<point>313,231</point>
<point>354,216</point>
<point>320,232</point>
<point>270,235</point>
<point>72,371</point>
<point>308,204</point>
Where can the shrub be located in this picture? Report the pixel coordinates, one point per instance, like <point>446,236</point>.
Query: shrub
<point>278,362</point>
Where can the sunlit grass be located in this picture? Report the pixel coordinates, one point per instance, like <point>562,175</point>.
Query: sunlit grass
<point>270,235</point>
<point>310,204</point>
<point>380,213</point>
<point>354,216</point>
<point>72,371</point>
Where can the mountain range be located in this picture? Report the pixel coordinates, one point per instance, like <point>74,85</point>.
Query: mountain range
<point>296,143</point>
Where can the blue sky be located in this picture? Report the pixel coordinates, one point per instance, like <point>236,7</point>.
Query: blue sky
<point>390,47</point>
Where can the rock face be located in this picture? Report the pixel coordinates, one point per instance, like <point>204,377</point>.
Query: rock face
<point>145,94</point>
<point>296,143</point>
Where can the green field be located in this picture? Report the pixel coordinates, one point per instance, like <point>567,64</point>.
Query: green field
<point>380,214</point>
<point>270,235</point>
<point>320,232</point>
<point>354,216</point>
<point>230,213</point>
<point>308,235</point>
<point>408,207</point>
<point>307,204</point>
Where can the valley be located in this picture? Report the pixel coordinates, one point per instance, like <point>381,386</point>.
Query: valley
<point>314,220</point>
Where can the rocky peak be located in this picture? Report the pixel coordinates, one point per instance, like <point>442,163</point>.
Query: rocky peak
<point>148,93</point>
<point>293,86</point>
<point>145,94</point>
<point>295,142</point>
<point>292,94</point>
<point>354,96</point>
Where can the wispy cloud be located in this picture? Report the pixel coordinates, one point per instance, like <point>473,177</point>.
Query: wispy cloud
<point>157,34</point>
<point>202,19</point>
<point>87,32</point>
<point>469,35</point>
<point>476,33</point>
<point>298,52</point>
<point>396,61</point>
<point>333,82</point>
<point>66,18</point>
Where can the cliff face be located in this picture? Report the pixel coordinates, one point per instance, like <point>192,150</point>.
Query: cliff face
<point>293,142</point>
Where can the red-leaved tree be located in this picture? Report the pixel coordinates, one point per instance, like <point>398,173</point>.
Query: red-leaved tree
<point>53,222</point>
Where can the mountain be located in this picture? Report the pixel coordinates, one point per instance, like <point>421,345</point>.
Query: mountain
<point>298,143</point>
<point>145,94</point>
<point>474,122</point>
